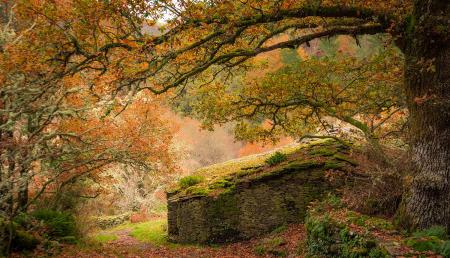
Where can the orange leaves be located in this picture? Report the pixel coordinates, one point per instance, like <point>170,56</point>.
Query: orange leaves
<point>130,43</point>
<point>138,131</point>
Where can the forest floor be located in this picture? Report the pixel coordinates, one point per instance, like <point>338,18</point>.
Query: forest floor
<point>148,239</point>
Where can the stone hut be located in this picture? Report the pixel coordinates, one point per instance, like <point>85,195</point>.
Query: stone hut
<point>247,197</point>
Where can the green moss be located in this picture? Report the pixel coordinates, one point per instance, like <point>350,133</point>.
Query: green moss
<point>188,181</point>
<point>333,165</point>
<point>379,223</point>
<point>322,152</point>
<point>244,173</point>
<point>223,212</point>
<point>224,205</point>
<point>345,158</point>
<point>291,167</point>
<point>368,221</point>
<point>423,244</point>
<point>245,167</point>
<point>198,190</point>
<point>302,165</point>
<point>221,184</point>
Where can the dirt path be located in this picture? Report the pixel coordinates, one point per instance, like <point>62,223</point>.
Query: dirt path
<point>285,243</point>
<point>124,241</point>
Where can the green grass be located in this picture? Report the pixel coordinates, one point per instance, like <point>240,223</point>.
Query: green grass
<point>104,238</point>
<point>154,232</point>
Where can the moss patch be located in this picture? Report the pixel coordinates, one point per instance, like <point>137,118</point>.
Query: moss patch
<point>345,158</point>
<point>237,168</point>
<point>322,151</point>
<point>333,165</point>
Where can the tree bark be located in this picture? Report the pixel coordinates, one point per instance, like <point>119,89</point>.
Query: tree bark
<point>427,82</point>
<point>22,198</point>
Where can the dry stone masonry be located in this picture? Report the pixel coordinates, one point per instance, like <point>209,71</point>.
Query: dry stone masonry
<point>255,200</point>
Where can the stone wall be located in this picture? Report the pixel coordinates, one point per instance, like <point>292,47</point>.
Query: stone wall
<point>251,208</point>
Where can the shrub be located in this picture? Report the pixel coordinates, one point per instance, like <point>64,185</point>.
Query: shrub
<point>24,220</point>
<point>188,181</point>
<point>436,231</point>
<point>59,224</point>
<point>328,237</point>
<point>432,239</point>
<point>276,158</point>
<point>445,249</point>
<point>24,240</point>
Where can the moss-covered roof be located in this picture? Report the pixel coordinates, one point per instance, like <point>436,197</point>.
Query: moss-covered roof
<point>327,154</point>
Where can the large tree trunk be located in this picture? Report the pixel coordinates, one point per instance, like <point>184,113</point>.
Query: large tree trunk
<point>427,54</point>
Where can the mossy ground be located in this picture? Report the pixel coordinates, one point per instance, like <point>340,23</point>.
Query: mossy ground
<point>335,231</point>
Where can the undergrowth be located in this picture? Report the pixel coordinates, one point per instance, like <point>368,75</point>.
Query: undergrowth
<point>276,158</point>
<point>188,181</point>
<point>433,239</point>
